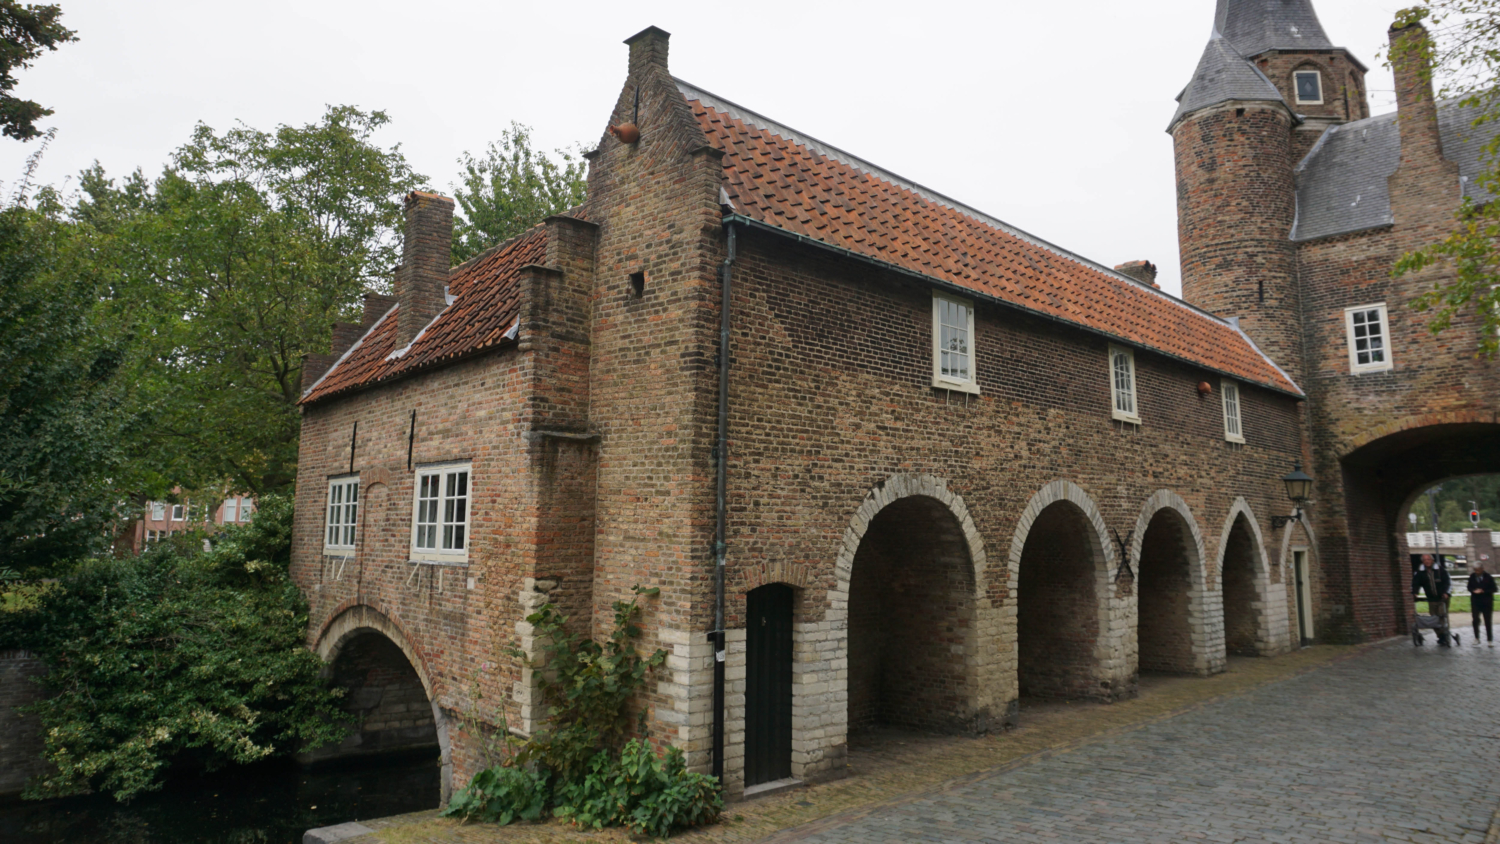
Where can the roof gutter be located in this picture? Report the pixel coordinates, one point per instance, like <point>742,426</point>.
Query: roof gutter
<point>971,293</point>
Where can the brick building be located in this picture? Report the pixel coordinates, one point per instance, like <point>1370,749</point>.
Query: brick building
<point>160,519</point>
<point>914,462</point>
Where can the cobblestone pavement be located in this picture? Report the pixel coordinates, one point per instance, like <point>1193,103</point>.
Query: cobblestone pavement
<point>1396,744</point>
<point>1324,744</point>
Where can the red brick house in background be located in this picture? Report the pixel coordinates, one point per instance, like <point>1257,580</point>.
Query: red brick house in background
<point>913,462</point>
<point>161,519</point>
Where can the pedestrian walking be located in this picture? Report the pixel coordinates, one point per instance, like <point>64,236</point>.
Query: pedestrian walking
<point>1482,602</point>
<point>1435,583</point>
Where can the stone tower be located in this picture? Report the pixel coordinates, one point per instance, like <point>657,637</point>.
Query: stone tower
<point>1268,84</point>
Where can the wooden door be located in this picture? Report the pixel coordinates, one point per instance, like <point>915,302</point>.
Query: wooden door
<point>768,685</point>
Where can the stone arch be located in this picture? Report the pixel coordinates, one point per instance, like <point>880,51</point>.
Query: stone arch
<point>1253,612</point>
<point>1163,617</point>
<point>822,645</point>
<point>1288,593</point>
<point>1109,675</point>
<point>1408,423</point>
<point>363,620</point>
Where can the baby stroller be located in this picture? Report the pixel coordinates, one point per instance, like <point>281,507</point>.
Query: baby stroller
<point>1438,622</point>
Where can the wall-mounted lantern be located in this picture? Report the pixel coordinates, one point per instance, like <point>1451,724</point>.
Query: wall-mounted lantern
<point>1298,489</point>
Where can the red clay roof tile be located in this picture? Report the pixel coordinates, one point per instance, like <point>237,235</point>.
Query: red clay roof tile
<point>782,179</point>
<point>486,304</point>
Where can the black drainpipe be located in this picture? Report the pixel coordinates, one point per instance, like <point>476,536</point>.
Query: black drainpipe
<point>721,459</point>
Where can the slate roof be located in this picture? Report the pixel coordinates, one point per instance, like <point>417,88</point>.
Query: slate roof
<point>1255,26</point>
<point>1223,74</point>
<point>483,312</point>
<point>779,178</point>
<point>1341,183</point>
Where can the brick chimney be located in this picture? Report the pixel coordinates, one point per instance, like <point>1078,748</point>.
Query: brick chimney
<point>1416,108</point>
<point>375,307</point>
<point>426,256</point>
<point>1142,271</point>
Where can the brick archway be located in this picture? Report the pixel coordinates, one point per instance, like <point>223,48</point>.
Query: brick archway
<point>821,644</point>
<point>1112,672</point>
<point>1267,604</point>
<point>361,620</point>
<point>1408,423</point>
<point>1203,616</point>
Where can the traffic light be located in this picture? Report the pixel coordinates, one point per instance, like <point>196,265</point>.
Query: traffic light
<point>1474,517</point>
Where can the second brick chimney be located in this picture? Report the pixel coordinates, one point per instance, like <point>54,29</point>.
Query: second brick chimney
<point>426,256</point>
<point>1142,271</point>
<point>1416,108</point>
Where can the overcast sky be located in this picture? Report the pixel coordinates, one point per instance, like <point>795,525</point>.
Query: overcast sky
<point>1050,116</point>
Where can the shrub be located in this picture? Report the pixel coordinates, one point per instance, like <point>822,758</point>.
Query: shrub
<point>175,652</point>
<point>582,764</point>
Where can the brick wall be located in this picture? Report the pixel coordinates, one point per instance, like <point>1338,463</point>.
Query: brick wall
<point>386,698</point>
<point>20,735</point>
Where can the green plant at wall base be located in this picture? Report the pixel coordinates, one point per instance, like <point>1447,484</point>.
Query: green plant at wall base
<point>588,687</point>
<point>650,795</point>
<point>501,795</point>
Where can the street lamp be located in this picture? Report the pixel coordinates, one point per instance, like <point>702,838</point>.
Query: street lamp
<point>1298,489</point>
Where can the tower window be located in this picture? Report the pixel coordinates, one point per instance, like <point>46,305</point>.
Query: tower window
<point>637,285</point>
<point>1309,86</point>
<point>1369,332</point>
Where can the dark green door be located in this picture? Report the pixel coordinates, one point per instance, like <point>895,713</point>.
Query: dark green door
<point>768,684</point>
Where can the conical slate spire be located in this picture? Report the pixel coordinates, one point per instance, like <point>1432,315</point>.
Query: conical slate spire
<point>1222,75</point>
<point>1254,26</point>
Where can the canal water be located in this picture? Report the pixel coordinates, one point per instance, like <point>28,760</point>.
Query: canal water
<point>269,803</point>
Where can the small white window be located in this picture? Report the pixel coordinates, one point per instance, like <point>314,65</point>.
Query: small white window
<point>1122,384</point>
<point>1369,334</point>
<point>179,512</point>
<point>1309,86</point>
<point>440,521</point>
<point>953,344</point>
<point>247,509</point>
<point>231,510</point>
<point>1234,429</point>
<point>343,512</point>
<point>158,511</point>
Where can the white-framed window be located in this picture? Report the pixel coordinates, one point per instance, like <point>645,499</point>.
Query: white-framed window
<point>440,515</point>
<point>1122,385</point>
<point>1369,333</point>
<point>179,512</point>
<point>1234,428</point>
<point>343,512</point>
<point>158,511</point>
<point>247,509</point>
<point>151,536</point>
<point>1309,85</point>
<point>231,510</point>
<point>953,344</point>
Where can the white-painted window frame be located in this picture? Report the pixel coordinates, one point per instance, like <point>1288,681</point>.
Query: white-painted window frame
<point>179,512</point>
<point>158,511</point>
<point>445,515</point>
<point>341,514</point>
<point>1234,410</point>
<point>939,379</point>
<point>231,510</point>
<point>1124,403</point>
<point>1355,367</point>
<point>1297,91</point>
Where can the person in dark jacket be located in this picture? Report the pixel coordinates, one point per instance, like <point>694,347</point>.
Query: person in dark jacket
<point>1433,581</point>
<point>1482,601</point>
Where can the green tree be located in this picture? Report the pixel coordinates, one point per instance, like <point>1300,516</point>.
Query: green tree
<point>511,188</point>
<point>176,652</point>
<point>229,268</point>
<point>25,31</point>
<point>66,407</point>
<point>1464,55</point>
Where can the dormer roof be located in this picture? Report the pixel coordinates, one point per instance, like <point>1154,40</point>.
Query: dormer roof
<point>1222,75</point>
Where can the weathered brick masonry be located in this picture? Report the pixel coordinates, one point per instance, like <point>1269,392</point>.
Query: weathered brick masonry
<point>950,548</point>
<point>20,735</point>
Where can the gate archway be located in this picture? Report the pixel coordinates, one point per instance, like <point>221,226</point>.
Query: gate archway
<point>1256,621</point>
<point>1174,624</point>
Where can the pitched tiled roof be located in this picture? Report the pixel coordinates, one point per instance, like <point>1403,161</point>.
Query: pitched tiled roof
<point>485,306</point>
<point>1341,184</point>
<point>777,177</point>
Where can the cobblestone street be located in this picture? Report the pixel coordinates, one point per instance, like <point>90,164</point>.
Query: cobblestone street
<point>1396,744</point>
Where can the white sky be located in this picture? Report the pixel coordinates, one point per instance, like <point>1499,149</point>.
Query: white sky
<point>1050,116</point>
